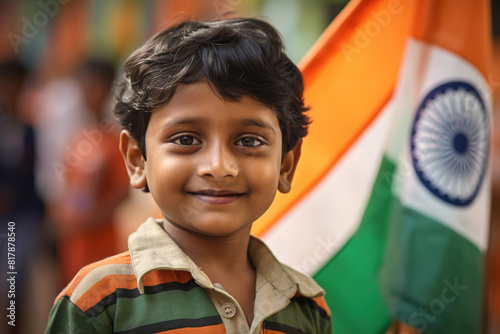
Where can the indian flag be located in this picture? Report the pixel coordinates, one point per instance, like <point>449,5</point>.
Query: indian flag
<point>390,206</point>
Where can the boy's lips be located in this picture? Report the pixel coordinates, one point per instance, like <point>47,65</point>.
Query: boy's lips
<point>216,196</point>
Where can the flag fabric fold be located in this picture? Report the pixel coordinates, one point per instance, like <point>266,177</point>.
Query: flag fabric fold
<point>390,210</point>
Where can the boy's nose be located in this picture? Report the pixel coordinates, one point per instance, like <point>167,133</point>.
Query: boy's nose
<point>218,162</point>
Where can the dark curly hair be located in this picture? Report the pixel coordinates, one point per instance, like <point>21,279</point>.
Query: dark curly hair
<point>238,57</point>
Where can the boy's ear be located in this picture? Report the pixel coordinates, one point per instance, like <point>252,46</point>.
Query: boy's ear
<point>288,167</point>
<point>134,161</point>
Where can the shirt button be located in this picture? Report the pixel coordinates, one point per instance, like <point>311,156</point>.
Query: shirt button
<point>228,310</point>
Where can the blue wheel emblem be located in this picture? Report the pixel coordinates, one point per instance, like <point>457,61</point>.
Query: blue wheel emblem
<point>449,142</point>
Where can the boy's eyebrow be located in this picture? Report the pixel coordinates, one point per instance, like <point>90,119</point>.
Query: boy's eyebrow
<point>198,120</point>
<point>181,121</point>
<point>255,122</point>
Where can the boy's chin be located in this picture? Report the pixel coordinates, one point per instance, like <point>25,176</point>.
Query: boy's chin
<point>220,231</point>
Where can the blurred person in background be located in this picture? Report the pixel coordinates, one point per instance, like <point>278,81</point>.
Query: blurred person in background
<point>21,209</point>
<point>95,181</point>
<point>55,102</point>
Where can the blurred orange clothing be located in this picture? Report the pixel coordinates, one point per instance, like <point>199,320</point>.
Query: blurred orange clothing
<point>96,183</point>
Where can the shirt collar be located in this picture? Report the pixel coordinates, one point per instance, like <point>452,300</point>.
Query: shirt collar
<point>151,248</point>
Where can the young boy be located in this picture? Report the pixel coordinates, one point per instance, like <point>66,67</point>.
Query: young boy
<point>213,116</point>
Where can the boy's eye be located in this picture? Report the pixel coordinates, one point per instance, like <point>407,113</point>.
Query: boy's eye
<point>187,140</point>
<point>249,142</point>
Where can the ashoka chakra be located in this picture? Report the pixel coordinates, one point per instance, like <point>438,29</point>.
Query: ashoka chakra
<point>449,142</point>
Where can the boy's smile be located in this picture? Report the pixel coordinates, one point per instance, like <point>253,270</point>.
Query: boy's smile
<point>213,166</point>
<point>216,197</point>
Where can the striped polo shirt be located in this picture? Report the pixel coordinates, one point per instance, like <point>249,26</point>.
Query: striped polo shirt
<point>156,288</point>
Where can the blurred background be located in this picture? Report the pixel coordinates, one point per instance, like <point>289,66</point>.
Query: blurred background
<point>62,180</point>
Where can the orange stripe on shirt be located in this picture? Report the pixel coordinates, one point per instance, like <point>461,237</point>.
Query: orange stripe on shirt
<point>110,283</point>
<point>165,276</point>
<point>122,258</point>
<point>322,303</point>
<point>214,329</point>
<point>103,288</point>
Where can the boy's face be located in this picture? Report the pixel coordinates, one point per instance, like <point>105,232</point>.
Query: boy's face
<point>213,166</point>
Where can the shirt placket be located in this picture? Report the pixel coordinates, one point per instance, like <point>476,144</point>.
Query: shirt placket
<point>230,311</point>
